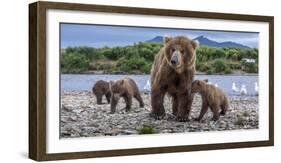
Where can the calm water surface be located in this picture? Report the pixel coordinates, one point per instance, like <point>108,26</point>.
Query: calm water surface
<point>84,82</point>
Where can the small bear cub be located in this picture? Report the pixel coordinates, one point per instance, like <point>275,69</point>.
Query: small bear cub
<point>100,89</point>
<point>212,97</point>
<point>127,89</point>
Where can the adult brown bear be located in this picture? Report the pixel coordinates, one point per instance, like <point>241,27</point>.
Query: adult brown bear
<point>173,72</point>
<point>100,89</point>
<point>127,89</point>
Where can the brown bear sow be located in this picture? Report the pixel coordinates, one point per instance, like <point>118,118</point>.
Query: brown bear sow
<point>212,97</point>
<point>100,89</point>
<point>126,88</point>
<point>173,72</point>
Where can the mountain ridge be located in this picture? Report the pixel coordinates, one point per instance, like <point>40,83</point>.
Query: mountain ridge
<point>205,41</point>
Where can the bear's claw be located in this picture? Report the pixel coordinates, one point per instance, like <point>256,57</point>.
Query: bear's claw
<point>182,119</point>
<point>157,116</point>
<point>215,118</point>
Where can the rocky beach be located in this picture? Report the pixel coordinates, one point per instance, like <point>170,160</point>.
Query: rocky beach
<point>82,117</point>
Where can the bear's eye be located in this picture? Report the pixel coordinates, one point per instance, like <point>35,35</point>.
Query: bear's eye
<point>182,51</point>
<point>173,49</point>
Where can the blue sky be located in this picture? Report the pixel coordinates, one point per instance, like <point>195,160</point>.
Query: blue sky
<point>100,35</point>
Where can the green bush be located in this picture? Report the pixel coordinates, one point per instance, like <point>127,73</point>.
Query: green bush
<point>250,67</point>
<point>240,121</point>
<point>234,65</point>
<point>199,66</point>
<point>133,65</point>
<point>204,53</point>
<point>203,66</point>
<point>146,129</point>
<point>210,71</point>
<point>74,63</point>
<point>123,65</point>
<point>146,68</point>
<point>218,53</point>
<point>227,71</point>
<point>232,54</point>
<point>219,66</point>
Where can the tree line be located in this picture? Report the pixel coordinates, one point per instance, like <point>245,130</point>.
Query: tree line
<point>138,59</point>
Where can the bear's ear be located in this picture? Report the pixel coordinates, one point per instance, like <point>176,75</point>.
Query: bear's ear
<point>166,39</point>
<point>195,44</point>
<point>206,80</point>
<point>195,82</point>
<point>122,82</point>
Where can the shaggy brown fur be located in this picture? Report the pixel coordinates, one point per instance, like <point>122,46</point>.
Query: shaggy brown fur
<point>173,72</point>
<point>126,88</point>
<point>212,97</point>
<point>101,88</point>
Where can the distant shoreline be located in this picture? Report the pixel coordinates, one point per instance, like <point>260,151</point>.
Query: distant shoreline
<point>238,73</point>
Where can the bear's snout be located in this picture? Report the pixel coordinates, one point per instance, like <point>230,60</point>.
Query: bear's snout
<point>174,59</point>
<point>173,62</point>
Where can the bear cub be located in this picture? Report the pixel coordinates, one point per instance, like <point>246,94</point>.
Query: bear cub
<point>127,89</point>
<point>212,97</point>
<point>100,89</point>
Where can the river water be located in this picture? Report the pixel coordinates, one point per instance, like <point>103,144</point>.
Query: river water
<point>84,82</point>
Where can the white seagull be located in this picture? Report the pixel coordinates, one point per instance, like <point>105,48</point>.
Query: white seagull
<point>243,90</point>
<point>147,87</point>
<point>234,88</point>
<point>256,88</point>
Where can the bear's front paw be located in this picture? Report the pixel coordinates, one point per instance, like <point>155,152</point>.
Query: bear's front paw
<point>157,116</point>
<point>182,118</point>
<point>215,118</point>
<point>127,109</point>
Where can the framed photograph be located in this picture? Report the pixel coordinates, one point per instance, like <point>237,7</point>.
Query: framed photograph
<point>113,81</point>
